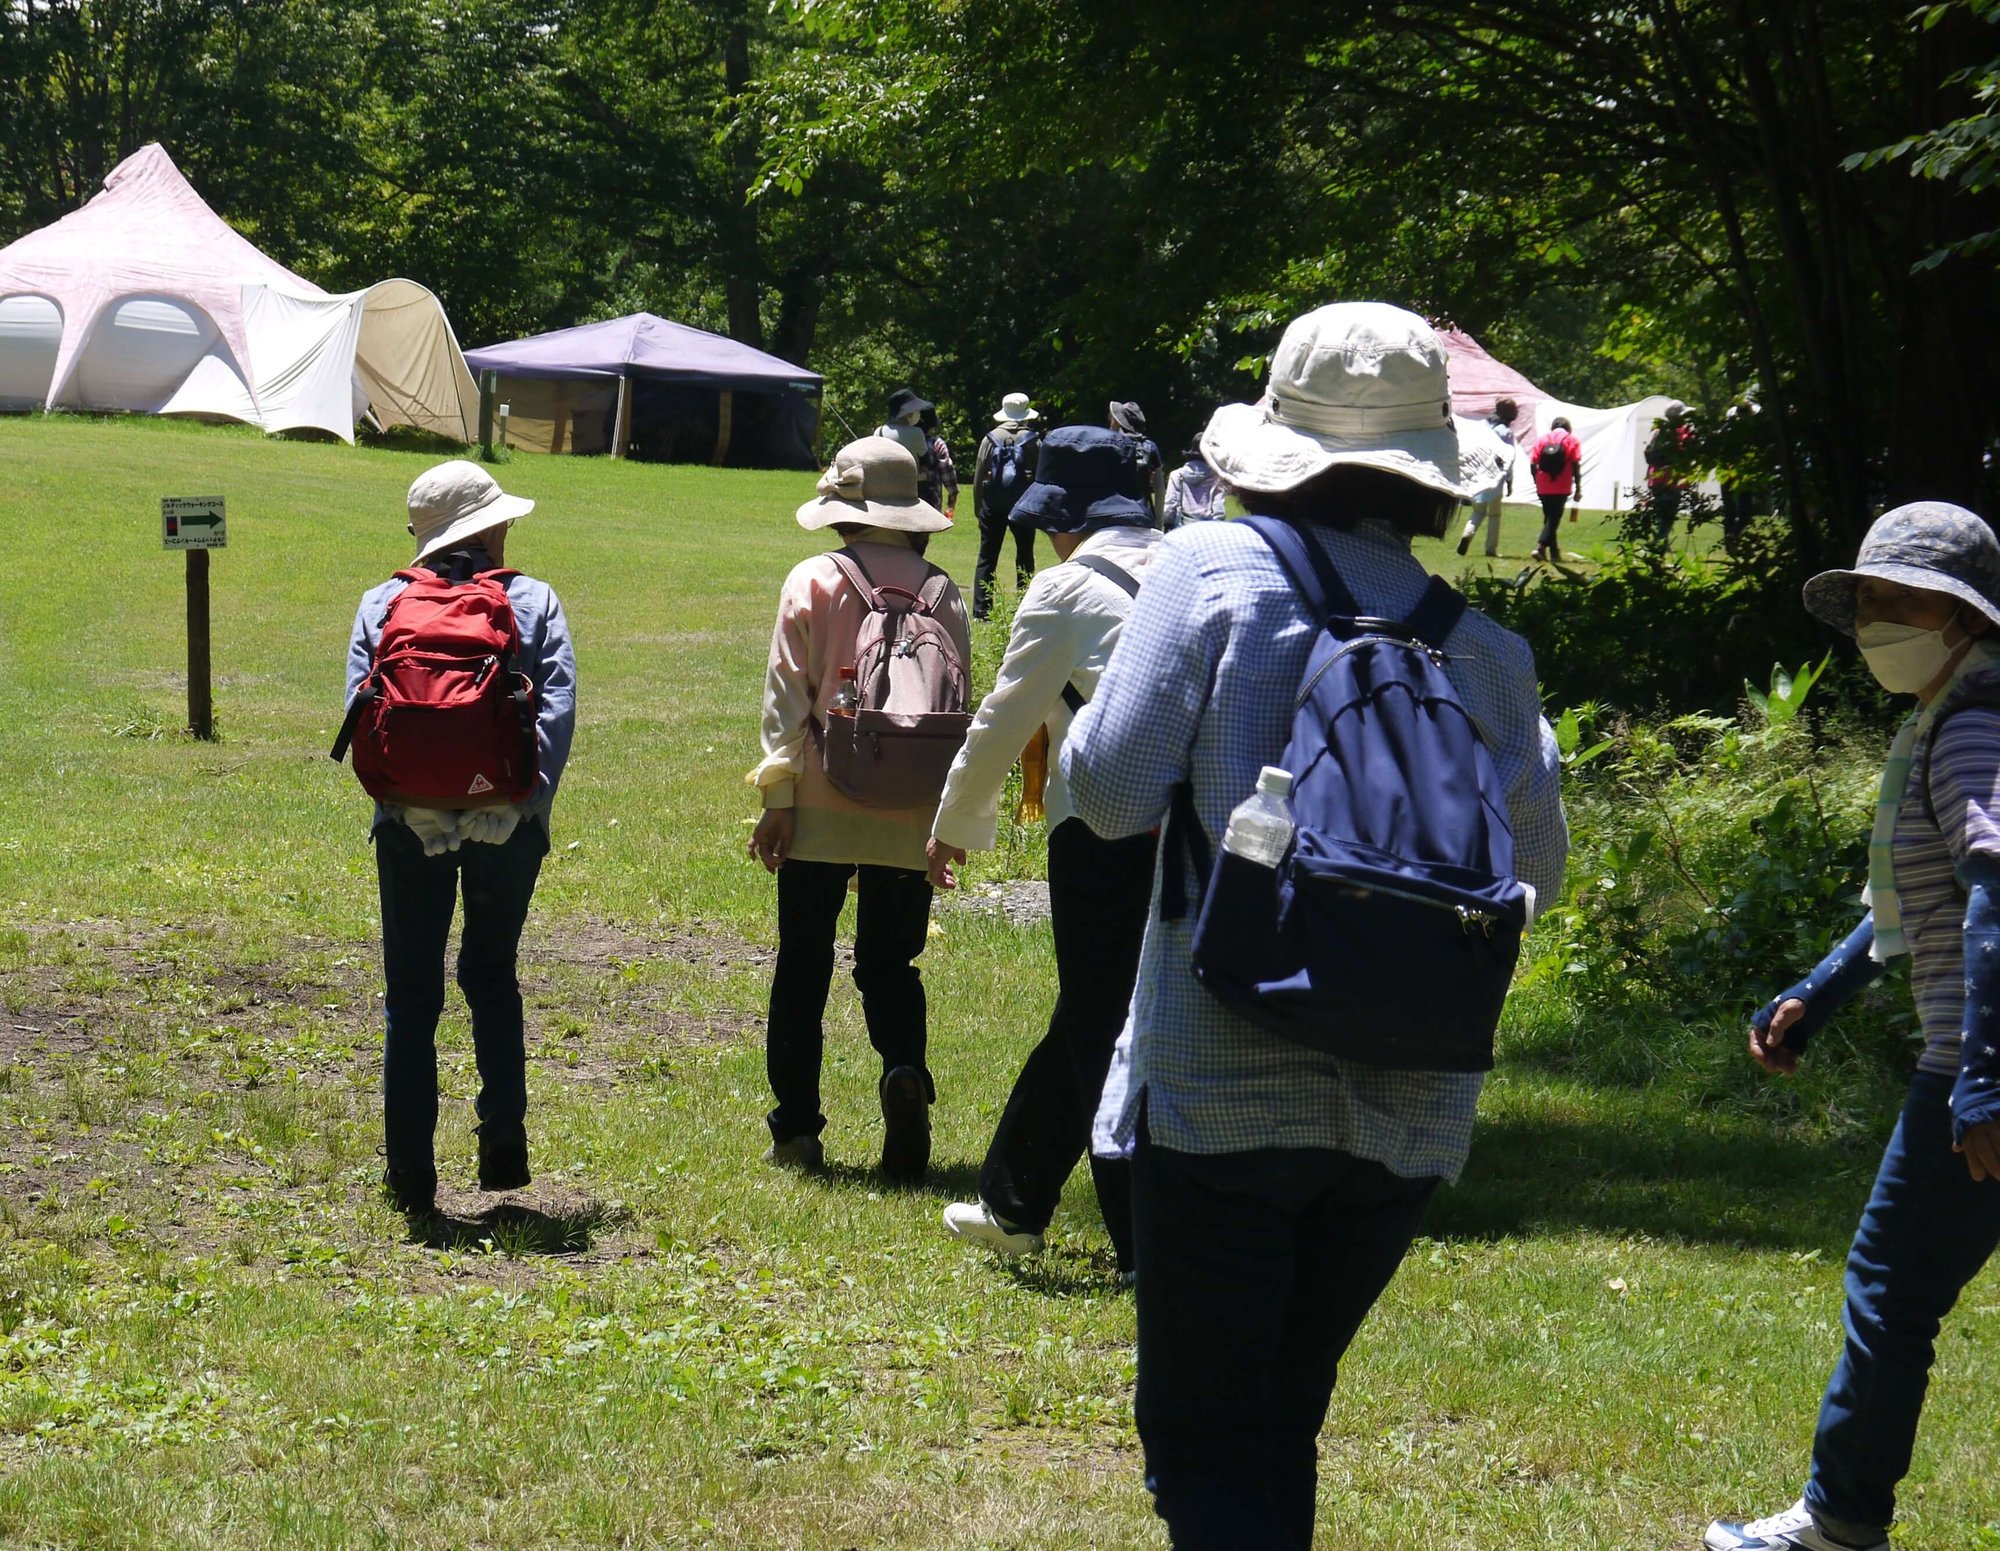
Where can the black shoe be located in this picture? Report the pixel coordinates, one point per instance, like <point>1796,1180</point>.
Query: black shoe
<point>1465,544</point>
<point>503,1159</point>
<point>412,1191</point>
<point>906,1125</point>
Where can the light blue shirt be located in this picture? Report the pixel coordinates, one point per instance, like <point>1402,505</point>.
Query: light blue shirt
<point>546,657</point>
<point>1201,689</point>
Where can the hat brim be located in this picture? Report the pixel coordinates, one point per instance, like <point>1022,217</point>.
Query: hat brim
<point>1829,596</point>
<point>1053,509</point>
<point>909,515</point>
<point>1001,417</point>
<point>503,508</point>
<point>1252,451</point>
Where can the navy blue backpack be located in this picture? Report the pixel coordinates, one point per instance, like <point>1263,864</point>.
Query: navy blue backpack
<point>1389,933</point>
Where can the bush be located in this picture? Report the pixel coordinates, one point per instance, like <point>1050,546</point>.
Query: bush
<point>1713,860</point>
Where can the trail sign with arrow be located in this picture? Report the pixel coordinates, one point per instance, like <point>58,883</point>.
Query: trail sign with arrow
<point>192,522</point>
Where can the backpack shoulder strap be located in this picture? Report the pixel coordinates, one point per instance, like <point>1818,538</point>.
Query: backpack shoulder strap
<point>931,594</point>
<point>1111,571</point>
<point>1310,571</point>
<point>1437,613</point>
<point>857,575</point>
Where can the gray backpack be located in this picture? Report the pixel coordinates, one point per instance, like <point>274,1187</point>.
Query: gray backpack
<point>909,720</point>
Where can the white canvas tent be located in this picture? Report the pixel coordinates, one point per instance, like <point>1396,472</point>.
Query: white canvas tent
<point>146,300</point>
<point>1614,450</point>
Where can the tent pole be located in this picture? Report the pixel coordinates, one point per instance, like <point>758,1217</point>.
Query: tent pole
<point>621,427</point>
<point>489,394</point>
<point>725,414</point>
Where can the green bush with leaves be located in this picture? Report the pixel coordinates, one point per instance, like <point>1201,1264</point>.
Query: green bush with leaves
<point>1713,859</point>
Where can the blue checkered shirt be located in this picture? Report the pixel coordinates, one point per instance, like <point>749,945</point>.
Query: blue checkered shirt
<point>1201,688</point>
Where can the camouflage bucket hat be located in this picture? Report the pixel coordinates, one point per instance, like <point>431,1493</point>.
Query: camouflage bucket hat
<point>1929,544</point>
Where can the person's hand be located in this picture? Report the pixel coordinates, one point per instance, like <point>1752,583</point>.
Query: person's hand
<point>1982,1150</point>
<point>490,826</point>
<point>1766,1047</point>
<point>940,857</point>
<point>437,828</point>
<point>771,840</point>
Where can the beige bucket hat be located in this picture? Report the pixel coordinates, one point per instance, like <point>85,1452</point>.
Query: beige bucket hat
<point>451,502</point>
<point>873,481</point>
<point>1354,382</point>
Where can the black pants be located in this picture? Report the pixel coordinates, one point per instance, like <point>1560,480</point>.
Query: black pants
<point>419,894</point>
<point>992,531</point>
<point>892,920</point>
<point>1552,516</point>
<point>1098,894</point>
<point>1257,1270</point>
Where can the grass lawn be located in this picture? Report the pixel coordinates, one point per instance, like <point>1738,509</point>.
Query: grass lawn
<point>214,1334</point>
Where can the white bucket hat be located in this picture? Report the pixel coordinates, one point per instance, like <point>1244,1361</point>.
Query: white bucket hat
<point>1015,406</point>
<point>451,502</point>
<point>872,481</point>
<point>1362,383</point>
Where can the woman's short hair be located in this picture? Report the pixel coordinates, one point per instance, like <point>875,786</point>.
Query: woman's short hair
<point>1347,493</point>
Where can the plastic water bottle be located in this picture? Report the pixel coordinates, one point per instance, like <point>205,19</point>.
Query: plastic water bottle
<point>1261,827</point>
<point>846,697</point>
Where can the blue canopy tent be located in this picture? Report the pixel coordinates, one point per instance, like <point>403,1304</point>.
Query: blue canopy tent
<point>644,387</point>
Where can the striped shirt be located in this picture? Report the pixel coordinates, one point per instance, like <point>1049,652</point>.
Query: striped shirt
<point>1201,688</point>
<point>1955,774</point>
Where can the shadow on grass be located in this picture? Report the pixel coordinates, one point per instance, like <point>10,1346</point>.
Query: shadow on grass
<point>514,1229</point>
<point>1055,1274</point>
<point>1683,1175</point>
<point>945,1181</point>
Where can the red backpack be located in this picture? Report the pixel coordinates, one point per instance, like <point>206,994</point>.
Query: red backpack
<point>445,718</point>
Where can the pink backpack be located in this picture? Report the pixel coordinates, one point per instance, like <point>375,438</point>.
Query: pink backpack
<point>909,718</point>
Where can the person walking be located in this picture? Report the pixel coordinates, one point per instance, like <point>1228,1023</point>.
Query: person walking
<point>1129,421</point>
<point>1276,1187</point>
<point>816,837</point>
<point>428,857</point>
<point>1923,602</point>
<point>1002,470</point>
<point>1486,512</point>
<point>1087,499</point>
<point>927,422</point>
<point>1194,492</point>
<point>1557,462</point>
<point>904,426</point>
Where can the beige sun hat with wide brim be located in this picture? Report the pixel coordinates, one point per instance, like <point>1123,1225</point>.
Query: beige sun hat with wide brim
<point>872,481</point>
<point>451,502</point>
<point>1360,383</point>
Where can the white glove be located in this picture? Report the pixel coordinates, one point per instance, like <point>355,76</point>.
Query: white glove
<point>489,826</point>
<point>437,828</point>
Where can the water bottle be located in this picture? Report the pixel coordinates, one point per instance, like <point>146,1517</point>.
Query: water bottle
<point>1261,827</point>
<point>846,697</point>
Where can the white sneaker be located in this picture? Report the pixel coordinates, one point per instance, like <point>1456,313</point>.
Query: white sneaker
<point>974,1220</point>
<point>1792,1530</point>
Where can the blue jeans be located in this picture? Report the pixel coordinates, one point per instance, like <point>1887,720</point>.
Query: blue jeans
<point>1255,1271</point>
<point>419,893</point>
<point>1926,1232</point>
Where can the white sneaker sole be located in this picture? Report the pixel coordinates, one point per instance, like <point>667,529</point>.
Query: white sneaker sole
<point>1001,1243</point>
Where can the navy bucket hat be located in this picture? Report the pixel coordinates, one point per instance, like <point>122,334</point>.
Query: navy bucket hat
<point>1928,544</point>
<point>1087,479</point>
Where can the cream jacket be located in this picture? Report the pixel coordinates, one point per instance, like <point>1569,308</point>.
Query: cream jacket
<point>1064,631</point>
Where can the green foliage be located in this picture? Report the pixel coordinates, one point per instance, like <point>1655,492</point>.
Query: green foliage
<point>1714,859</point>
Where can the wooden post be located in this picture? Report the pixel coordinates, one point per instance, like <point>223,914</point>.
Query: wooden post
<point>621,426</point>
<point>201,698</point>
<point>725,413</point>
<point>489,395</point>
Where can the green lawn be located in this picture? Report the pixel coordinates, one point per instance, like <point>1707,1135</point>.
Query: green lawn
<point>213,1334</point>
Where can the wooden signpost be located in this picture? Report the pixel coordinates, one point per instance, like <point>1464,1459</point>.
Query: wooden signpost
<point>196,524</point>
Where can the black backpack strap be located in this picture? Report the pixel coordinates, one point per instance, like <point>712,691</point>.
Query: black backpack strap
<point>1111,571</point>
<point>363,694</point>
<point>1073,698</point>
<point>1186,841</point>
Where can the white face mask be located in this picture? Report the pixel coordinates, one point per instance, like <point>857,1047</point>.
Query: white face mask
<point>1903,658</point>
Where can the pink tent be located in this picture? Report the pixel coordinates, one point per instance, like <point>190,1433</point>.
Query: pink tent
<point>1477,380</point>
<point>146,300</point>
